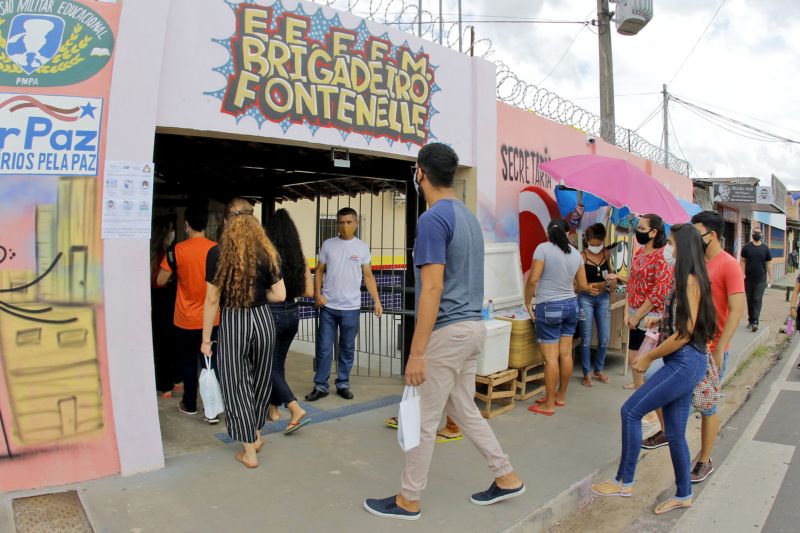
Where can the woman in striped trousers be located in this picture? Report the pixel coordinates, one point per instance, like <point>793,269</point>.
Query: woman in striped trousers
<point>243,277</point>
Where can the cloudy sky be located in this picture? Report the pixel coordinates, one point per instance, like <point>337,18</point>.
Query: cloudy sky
<point>745,66</point>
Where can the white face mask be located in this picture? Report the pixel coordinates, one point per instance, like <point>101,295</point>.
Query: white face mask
<point>668,255</point>
<point>595,249</point>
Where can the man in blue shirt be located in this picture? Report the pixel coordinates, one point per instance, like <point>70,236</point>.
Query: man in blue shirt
<point>448,337</point>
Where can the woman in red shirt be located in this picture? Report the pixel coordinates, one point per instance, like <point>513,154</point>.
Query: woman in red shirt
<point>648,280</point>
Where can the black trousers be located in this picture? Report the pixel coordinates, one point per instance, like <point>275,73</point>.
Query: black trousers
<point>754,292</point>
<point>287,323</point>
<point>166,362</point>
<point>187,344</point>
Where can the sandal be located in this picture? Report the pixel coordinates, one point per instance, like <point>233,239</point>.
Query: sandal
<point>542,401</point>
<point>240,458</point>
<point>391,422</point>
<point>629,386</point>
<point>612,488</point>
<point>535,409</point>
<point>672,504</point>
<point>291,427</point>
<point>440,437</point>
<point>601,377</point>
<point>587,381</point>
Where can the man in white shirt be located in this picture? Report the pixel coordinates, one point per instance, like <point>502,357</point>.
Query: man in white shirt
<point>343,262</point>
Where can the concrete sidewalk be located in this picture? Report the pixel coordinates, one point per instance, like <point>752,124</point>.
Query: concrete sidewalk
<point>318,478</point>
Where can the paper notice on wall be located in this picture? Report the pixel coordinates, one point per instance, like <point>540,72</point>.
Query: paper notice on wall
<point>127,200</point>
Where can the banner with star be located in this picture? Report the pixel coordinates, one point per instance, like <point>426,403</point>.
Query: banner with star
<point>49,135</point>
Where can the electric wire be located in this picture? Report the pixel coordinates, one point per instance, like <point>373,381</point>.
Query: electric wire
<point>722,3</point>
<point>561,59</point>
<point>650,116</point>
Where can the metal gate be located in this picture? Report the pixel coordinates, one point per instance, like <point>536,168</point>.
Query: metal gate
<point>381,206</point>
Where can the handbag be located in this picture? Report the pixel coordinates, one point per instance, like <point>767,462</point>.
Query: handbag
<point>409,419</point>
<point>706,393</point>
<point>210,391</point>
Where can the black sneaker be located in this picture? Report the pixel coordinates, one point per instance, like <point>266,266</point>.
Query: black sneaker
<point>701,471</point>
<point>182,408</point>
<point>388,508</point>
<point>656,441</point>
<point>755,328</point>
<point>495,494</point>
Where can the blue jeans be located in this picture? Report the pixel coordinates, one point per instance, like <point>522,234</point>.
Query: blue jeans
<point>329,321</point>
<point>287,323</point>
<point>671,389</point>
<point>555,320</point>
<point>594,309</point>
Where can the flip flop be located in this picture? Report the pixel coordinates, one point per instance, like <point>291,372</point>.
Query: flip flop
<point>621,492</point>
<point>535,409</point>
<point>542,401</point>
<point>670,505</point>
<point>602,379</point>
<point>629,386</point>
<point>391,422</point>
<point>294,426</point>
<point>445,438</point>
<point>586,382</point>
<point>240,458</point>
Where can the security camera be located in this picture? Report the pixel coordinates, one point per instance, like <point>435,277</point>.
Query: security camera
<point>590,139</point>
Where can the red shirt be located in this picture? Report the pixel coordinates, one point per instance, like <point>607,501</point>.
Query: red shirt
<point>726,279</point>
<point>649,279</point>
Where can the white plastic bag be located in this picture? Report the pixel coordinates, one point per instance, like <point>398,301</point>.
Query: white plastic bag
<point>210,391</point>
<point>408,419</point>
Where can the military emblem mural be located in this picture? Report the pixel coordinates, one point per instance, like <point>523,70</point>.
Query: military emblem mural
<point>47,43</point>
<point>302,68</point>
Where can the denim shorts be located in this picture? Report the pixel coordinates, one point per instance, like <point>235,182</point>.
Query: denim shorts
<point>658,363</point>
<point>555,320</point>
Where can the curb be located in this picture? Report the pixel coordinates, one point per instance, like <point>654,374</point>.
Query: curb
<point>579,493</point>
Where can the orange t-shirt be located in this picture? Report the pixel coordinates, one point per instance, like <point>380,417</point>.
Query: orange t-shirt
<point>726,279</point>
<point>190,256</point>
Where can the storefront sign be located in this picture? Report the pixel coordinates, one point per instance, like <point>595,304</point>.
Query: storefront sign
<point>48,43</point>
<point>735,193</point>
<point>292,68</point>
<point>52,135</point>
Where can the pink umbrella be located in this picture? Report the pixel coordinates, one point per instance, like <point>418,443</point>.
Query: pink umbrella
<point>617,182</point>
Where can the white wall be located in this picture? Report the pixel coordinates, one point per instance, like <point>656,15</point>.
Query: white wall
<point>131,131</point>
<point>190,57</point>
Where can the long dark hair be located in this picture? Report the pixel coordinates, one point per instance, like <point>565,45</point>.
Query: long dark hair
<point>690,260</point>
<point>557,234</point>
<point>657,223</point>
<point>283,234</point>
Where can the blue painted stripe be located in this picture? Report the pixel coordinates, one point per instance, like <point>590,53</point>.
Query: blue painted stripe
<point>316,415</point>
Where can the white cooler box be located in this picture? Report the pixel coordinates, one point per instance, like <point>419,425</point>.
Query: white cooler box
<point>502,283</point>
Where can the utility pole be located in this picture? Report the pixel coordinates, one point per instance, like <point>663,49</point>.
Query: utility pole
<point>441,22</point>
<point>419,19</point>
<point>666,125</point>
<point>460,36</point>
<point>607,121</point>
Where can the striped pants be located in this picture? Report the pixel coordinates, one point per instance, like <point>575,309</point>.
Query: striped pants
<point>246,341</point>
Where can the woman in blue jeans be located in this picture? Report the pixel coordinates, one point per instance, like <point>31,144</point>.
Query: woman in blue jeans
<point>594,305</point>
<point>555,273</point>
<point>297,277</point>
<point>689,323</point>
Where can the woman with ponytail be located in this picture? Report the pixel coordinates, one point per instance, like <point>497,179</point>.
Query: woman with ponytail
<point>554,276</point>
<point>243,277</point>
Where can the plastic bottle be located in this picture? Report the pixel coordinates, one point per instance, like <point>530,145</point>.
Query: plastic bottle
<point>485,312</point>
<point>649,342</point>
<point>790,326</point>
<point>491,309</point>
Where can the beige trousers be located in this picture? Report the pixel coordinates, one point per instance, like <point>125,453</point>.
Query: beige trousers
<point>450,383</point>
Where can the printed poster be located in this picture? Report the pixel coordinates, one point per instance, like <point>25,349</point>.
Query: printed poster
<point>127,200</point>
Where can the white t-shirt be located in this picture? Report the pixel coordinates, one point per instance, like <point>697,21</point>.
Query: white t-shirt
<point>343,261</point>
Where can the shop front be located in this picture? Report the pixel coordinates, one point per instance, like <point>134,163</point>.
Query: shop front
<point>288,103</point>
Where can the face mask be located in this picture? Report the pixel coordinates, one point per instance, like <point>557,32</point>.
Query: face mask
<point>756,237</point>
<point>643,237</point>
<point>418,188</point>
<point>705,244</point>
<point>668,257</point>
<point>595,249</point>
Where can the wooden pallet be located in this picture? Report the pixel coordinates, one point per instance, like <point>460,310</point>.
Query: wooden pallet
<point>529,381</point>
<point>496,392</point>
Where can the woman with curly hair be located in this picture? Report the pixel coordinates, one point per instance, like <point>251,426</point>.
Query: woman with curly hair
<point>243,277</point>
<point>297,278</point>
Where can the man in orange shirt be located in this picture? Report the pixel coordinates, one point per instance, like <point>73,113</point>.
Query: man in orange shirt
<point>189,265</point>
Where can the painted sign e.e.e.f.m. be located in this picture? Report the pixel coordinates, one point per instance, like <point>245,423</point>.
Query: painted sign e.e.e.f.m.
<point>49,43</point>
<point>43,134</point>
<point>294,67</point>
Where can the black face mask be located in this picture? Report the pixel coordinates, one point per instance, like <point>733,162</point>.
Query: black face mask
<point>705,244</point>
<point>643,237</point>
<point>756,237</point>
